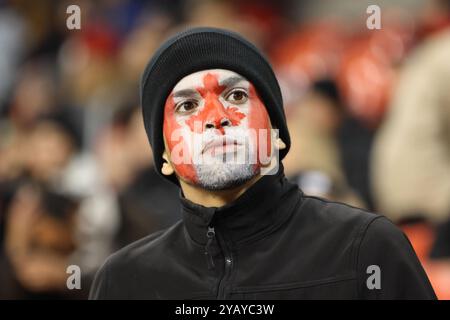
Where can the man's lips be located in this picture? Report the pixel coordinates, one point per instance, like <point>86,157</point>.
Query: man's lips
<point>222,144</point>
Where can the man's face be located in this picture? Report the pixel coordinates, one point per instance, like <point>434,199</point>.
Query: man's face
<point>217,130</point>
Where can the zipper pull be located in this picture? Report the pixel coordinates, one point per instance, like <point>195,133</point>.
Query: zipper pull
<point>210,234</point>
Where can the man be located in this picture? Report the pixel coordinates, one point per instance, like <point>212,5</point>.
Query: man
<point>210,101</point>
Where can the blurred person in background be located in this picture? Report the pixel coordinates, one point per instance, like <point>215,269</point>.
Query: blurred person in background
<point>40,222</point>
<point>365,77</point>
<point>39,240</point>
<point>50,158</point>
<point>411,160</point>
<point>314,159</point>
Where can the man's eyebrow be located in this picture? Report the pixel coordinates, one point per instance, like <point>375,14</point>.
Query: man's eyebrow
<point>185,93</point>
<point>232,81</point>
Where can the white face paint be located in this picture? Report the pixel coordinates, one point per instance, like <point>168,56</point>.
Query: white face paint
<point>214,125</point>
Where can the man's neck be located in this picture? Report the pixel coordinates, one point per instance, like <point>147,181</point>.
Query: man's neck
<point>217,198</point>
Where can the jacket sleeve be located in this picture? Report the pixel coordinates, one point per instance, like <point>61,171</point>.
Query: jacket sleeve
<point>99,288</point>
<point>387,266</point>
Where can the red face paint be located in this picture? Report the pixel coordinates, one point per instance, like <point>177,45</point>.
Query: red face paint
<point>212,112</point>
<point>259,120</point>
<point>170,125</point>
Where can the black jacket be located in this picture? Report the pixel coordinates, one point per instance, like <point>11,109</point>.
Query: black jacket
<point>273,242</point>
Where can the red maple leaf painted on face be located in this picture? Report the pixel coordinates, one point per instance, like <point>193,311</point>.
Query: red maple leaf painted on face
<point>213,111</point>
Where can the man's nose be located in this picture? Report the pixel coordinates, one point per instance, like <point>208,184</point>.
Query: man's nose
<point>217,125</point>
<point>217,116</point>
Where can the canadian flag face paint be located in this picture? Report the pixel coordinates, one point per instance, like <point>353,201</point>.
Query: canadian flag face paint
<point>217,129</point>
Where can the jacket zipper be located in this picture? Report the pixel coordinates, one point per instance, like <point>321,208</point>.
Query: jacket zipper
<point>221,292</point>
<point>210,235</point>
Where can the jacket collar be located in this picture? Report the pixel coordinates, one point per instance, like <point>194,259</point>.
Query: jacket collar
<point>258,209</point>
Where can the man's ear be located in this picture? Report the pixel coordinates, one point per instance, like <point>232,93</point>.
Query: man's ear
<point>167,168</point>
<point>279,144</point>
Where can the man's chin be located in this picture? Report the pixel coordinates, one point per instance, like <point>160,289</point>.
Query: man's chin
<point>225,176</point>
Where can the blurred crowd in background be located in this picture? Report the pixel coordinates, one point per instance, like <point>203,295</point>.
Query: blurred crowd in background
<point>368,112</point>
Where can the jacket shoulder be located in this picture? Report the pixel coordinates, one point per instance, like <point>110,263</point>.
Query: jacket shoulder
<point>123,268</point>
<point>147,248</point>
<point>336,213</point>
<point>336,228</point>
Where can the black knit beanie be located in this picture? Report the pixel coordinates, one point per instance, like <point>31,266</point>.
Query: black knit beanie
<point>201,49</point>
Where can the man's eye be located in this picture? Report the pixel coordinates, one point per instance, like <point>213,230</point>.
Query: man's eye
<point>186,106</point>
<point>237,96</point>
